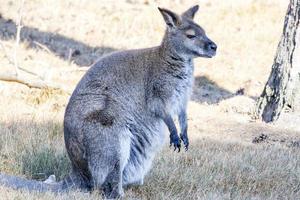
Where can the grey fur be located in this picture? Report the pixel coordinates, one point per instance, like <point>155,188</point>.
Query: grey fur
<point>116,118</point>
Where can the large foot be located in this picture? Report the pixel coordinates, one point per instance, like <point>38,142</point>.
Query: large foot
<point>112,192</point>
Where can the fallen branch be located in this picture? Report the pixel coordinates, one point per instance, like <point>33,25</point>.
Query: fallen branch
<point>32,83</point>
<point>21,78</point>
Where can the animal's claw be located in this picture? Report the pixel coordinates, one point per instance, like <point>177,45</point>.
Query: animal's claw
<point>185,141</point>
<point>177,147</point>
<point>186,148</point>
<point>175,141</point>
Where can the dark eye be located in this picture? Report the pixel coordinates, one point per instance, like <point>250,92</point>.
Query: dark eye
<point>190,36</point>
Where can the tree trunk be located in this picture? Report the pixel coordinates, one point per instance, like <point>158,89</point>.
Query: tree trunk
<point>283,84</point>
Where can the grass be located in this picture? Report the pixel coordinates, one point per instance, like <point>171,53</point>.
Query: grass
<point>216,170</point>
<point>222,162</point>
<point>210,170</point>
<point>31,149</point>
<point>40,164</point>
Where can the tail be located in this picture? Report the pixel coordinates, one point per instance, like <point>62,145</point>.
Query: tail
<point>39,186</point>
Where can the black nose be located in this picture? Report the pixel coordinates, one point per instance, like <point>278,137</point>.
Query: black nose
<point>212,46</point>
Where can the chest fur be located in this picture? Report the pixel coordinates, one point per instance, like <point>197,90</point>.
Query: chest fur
<point>175,90</point>
<point>179,96</point>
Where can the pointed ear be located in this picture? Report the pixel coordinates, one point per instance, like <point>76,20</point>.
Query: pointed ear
<point>171,19</point>
<point>190,13</point>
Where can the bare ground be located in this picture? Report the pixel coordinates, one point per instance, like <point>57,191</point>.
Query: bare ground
<point>232,156</point>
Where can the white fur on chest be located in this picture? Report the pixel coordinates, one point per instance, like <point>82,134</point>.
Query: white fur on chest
<point>181,95</point>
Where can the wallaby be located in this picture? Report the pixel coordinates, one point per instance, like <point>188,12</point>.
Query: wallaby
<point>116,118</point>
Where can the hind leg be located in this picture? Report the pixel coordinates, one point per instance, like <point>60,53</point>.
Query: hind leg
<point>109,152</point>
<point>112,186</point>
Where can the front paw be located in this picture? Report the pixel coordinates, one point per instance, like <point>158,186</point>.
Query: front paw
<point>185,141</point>
<point>175,141</point>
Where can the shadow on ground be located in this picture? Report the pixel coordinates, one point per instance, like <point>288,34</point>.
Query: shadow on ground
<point>207,91</point>
<point>61,46</point>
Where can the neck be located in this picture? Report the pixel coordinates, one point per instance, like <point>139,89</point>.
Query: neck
<point>176,64</point>
<point>169,52</point>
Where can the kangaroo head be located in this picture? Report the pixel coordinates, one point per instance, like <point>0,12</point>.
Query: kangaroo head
<point>185,36</point>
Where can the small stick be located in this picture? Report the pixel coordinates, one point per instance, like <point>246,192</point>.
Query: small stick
<point>70,56</point>
<point>43,47</point>
<point>6,54</point>
<point>30,72</point>
<point>19,27</point>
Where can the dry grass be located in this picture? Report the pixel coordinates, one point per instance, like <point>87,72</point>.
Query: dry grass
<point>222,162</point>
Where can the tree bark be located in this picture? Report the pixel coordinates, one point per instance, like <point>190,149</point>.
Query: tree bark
<point>283,84</point>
